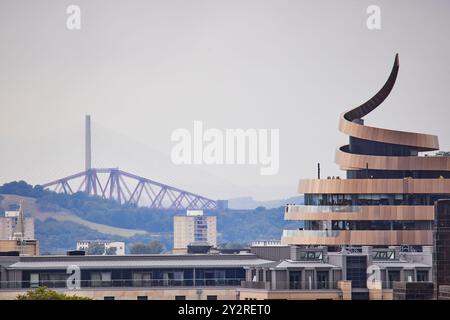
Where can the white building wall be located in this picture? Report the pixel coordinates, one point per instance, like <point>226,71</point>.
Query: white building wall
<point>119,245</point>
<point>7,225</point>
<point>29,229</point>
<point>6,228</point>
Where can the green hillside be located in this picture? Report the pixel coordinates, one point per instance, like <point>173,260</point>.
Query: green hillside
<point>62,219</point>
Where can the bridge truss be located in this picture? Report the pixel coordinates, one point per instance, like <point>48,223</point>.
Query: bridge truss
<point>127,188</point>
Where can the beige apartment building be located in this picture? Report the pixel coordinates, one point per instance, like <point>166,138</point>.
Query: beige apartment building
<point>14,225</point>
<point>23,247</point>
<point>193,228</point>
<point>17,234</point>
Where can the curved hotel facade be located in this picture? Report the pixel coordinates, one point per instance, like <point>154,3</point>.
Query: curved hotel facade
<point>389,195</point>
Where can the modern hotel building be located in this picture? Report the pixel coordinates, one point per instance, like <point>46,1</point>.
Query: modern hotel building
<point>389,195</point>
<point>387,222</point>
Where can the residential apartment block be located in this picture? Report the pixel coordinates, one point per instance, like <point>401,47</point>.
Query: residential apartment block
<point>13,225</point>
<point>193,228</point>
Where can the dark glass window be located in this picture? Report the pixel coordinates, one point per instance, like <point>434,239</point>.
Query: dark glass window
<point>360,295</point>
<point>380,225</point>
<point>396,174</point>
<point>322,279</point>
<point>375,148</point>
<point>53,280</point>
<point>422,275</point>
<point>357,271</point>
<point>393,275</point>
<point>372,199</point>
<point>295,278</point>
<point>180,297</point>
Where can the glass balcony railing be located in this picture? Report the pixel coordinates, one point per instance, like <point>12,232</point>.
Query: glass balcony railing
<point>311,233</point>
<point>290,285</point>
<point>321,209</point>
<point>124,283</point>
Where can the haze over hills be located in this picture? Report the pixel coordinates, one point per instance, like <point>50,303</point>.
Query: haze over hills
<point>248,203</point>
<point>62,219</point>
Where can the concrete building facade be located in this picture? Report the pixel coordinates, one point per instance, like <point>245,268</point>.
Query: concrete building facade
<point>193,228</point>
<point>10,223</point>
<point>117,246</point>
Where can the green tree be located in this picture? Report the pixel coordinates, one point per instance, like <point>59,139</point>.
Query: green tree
<point>43,293</point>
<point>112,251</point>
<point>153,247</point>
<point>233,245</point>
<point>138,248</point>
<point>95,249</point>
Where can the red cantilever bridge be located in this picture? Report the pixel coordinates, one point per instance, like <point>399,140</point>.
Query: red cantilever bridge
<point>124,187</point>
<point>127,188</point>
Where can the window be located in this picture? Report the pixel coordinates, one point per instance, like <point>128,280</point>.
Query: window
<point>173,278</point>
<point>322,279</point>
<point>357,271</point>
<point>180,297</point>
<point>211,297</point>
<point>109,298</point>
<point>360,295</point>
<point>34,280</point>
<point>295,278</point>
<point>393,275</point>
<point>384,255</point>
<point>422,275</point>
<point>311,255</point>
<point>142,279</point>
<point>50,280</point>
<point>214,277</point>
<point>142,298</point>
<point>100,279</point>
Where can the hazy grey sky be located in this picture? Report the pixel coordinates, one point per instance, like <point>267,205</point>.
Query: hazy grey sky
<point>145,68</point>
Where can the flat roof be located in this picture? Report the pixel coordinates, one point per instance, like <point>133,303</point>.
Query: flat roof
<point>137,262</point>
<point>400,264</point>
<point>284,264</point>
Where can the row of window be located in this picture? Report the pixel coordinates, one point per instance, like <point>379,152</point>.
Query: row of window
<point>368,225</point>
<point>143,278</point>
<point>209,297</point>
<point>369,147</point>
<point>372,199</point>
<point>397,174</point>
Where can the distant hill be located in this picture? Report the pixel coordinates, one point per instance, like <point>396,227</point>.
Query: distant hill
<point>31,209</point>
<point>59,230</point>
<point>248,203</point>
<point>62,219</point>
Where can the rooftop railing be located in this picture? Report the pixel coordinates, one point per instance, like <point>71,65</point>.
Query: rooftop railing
<point>322,209</point>
<point>290,285</point>
<point>310,233</point>
<point>122,283</point>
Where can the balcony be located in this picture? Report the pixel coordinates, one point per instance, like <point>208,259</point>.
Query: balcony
<point>124,283</point>
<point>358,237</point>
<point>348,212</point>
<point>321,209</point>
<point>290,285</point>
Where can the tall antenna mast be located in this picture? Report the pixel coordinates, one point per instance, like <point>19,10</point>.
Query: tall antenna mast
<point>87,160</point>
